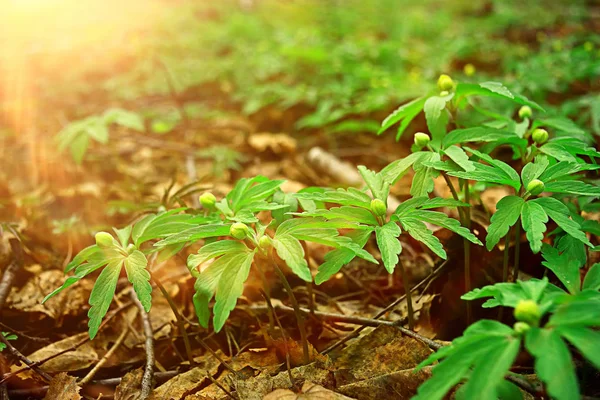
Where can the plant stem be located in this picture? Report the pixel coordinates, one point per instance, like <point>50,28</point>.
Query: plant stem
<point>467,249</point>
<point>517,250</point>
<point>454,194</point>
<point>180,321</point>
<point>296,306</point>
<point>506,257</point>
<point>411,316</point>
<point>148,377</point>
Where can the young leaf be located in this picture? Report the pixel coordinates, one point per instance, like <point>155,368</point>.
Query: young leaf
<point>477,134</point>
<point>345,197</point>
<point>560,214</point>
<point>494,89</point>
<point>573,187</point>
<point>379,188</point>
<point>418,230</point>
<point>389,245</point>
<point>195,233</point>
<point>396,169</point>
<point>138,275</point>
<point>592,278</point>
<point>214,250</point>
<point>461,158</point>
<point>534,219</point>
<point>553,363</point>
<point>587,341</point>
<point>102,295</point>
<point>533,170</point>
<point>231,286</point>
<point>441,219</point>
<point>507,213</point>
<point>405,113</point>
<point>564,267</point>
<point>290,250</point>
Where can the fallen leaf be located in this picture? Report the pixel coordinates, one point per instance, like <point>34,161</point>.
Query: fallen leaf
<point>276,142</point>
<point>129,388</point>
<point>63,387</point>
<point>310,391</point>
<point>399,385</point>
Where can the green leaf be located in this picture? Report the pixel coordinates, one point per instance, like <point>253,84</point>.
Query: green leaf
<point>441,219</point>
<point>345,197</point>
<point>490,370</point>
<point>577,312</point>
<point>124,118</point>
<point>336,259</point>
<point>573,187</point>
<point>378,186</point>
<point>507,213</point>
<point>138,275</point>
<point>533,170</point>
<point>123,234</point>
<point>290,250</point>
<point>422,183</point>
<point>437,117</point>
<point>564,267</point>
<point>405,113</point>
<point>214,250</point>
<point>418,230</point>
<point>195,233</point>
<point>553,363</point>
<point>564,169</point>
<point>592,278</point>
<point>78,147</point>
<point>389,245</point>
<point>494,89</point>
<point>557,151</point>
<point>461,158</point>
<point>534,219</point>
<point>587,341</point>
<point>396,169</point>
<point>102,295</point>
<point>231,287</point>
<point>81,257</point>
<point>560,214</point>
<point>477,134</point>
<point>509,294</point>
<point>350,214</point>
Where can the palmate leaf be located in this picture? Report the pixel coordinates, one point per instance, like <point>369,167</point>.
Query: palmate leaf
<point>441,219</point>
<point>350,214</point>
<point>437,117</point>
<point>345,197</point>
<point>231,269</point>
<point>316,230</point>
<point>461,158</point>
<point>405,113</point>
<point>157,226</point>
<point>573,187</point>
<point>290,250</point>
<point>565,169</point>
<point>102,295</point>
<point>494,89</point>
<point>389,245</point>
<point>478,134</point>
<point>195,233</point>
<point>396,169</point>
<point>564,267</point>
<point>592,278</point>
<point>581,310</point>
<point>553,363</point>
<point>560,214</point>
<point>586,340</point>
<point>336,259</point>
<point>422,183</point>
<point>138,275</point>
<point>533,220</point>
<point>214,250</point>
<point>418,230</point>
<point>472,350</point>
<point>508,211</point>
<point>378,186</point>
<point>533,170</point>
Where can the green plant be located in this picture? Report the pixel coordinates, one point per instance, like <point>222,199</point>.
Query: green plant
<point>76,135</point>
<point>7,336</point>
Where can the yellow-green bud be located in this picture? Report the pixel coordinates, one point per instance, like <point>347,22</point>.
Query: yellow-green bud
<point>525,112</point>
<point>535,187</point>
<point>528,311</point>
<point>378,207</point>
<point>208,200</point>
<point>444,93</point>
<point>264,242</point>
<point>540,136</point>
<point>130,248</point>
<point>469,69</point>
<point>521,328</point>
<point>238,230</point>
<point>104,239</point>
<point>421,139</point>
<point>445,82</point>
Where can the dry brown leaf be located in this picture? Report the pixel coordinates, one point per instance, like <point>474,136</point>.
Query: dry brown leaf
<point>63,387</point>
<point>310,391</point>
<point>80,358</point>
<point>129,388</point>
<point>68,302</point>
<point>400,385</point>
<point>382,351</point>
<point>177,387</point>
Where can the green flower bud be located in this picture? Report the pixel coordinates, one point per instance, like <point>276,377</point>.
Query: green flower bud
<point>238,230</point>
<point>521,328</point>
<point>525,112</point>
<point>469,69</point>
<point>104,240</point>
<point>264,242</point>
<point>421,139</point>
<point>540,136</point>
<point>378,207</point>
<point>445,82</point>
<point>535,187</point>
<point>444,93</point>
<point>528,311</point>
<point>208,200</point>
<point>130,248</point>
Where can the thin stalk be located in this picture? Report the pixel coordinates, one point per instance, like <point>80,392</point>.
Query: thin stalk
<point>517,249</point>
<point>467,249</point>
<point>411,315</point>
<point>454,194</point>
<point>296,306</point>
<point>505,268</point>
<point>180,321</point>
<point>309,286</point>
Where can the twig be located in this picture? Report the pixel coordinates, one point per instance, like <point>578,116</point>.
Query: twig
<point>390,307</point>
<point>213,380</point>
<point>16,353</point>
<point>411,313</point>
<point>11,270</point>
<point>287,351</point>
<point>105,358</point>
<point>147,378</point>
